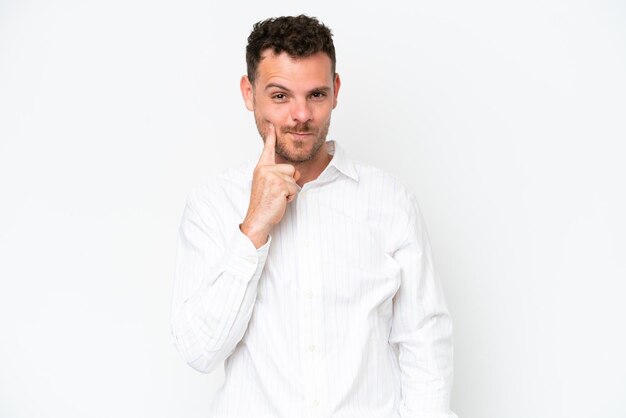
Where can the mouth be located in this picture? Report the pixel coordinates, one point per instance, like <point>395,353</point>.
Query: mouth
<point>300,134</point>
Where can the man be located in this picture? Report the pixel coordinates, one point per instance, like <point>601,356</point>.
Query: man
<point>309,273</point>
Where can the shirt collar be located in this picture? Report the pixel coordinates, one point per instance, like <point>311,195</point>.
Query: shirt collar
<point>340,160</point>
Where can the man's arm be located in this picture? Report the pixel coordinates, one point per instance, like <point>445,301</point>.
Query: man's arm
<point>216,282</point>
<point>215,287</point>
<point>421,328</point>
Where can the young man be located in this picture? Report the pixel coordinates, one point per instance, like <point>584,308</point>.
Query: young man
<point>309,273</point>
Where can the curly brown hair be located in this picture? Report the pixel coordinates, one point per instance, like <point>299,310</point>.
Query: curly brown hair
<point>298,36</point>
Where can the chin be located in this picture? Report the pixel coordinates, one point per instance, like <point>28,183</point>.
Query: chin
<point>296,157</point>
<point>301,150</point>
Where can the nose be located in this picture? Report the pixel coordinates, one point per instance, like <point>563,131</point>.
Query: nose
<point>300,111</point>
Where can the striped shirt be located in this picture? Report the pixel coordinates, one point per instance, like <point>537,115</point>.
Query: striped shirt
<point>339,314</point>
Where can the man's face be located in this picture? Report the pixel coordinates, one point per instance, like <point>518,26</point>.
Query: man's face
<point>297,96</point>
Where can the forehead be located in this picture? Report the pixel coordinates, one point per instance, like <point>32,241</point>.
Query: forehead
<point>299,72</point>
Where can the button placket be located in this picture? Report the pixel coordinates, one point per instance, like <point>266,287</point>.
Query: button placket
<point>311,286</point>
<point>307,336</point>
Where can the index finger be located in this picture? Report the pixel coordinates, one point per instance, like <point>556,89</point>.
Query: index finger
<point>268,156</point>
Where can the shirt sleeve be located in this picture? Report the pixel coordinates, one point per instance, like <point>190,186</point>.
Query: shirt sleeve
<point>421,328</point>
<point>215,286</point>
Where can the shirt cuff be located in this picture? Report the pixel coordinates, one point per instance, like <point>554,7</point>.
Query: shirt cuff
<point>243,259</point>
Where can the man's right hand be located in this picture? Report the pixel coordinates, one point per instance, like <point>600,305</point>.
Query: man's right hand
<point>273,186</point>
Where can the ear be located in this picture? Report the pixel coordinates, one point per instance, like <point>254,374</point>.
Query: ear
<point>336,86</point>
<point>247,92</point>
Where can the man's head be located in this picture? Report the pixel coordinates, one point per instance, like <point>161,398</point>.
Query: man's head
<point>297,36</point>
<point>291,83</point>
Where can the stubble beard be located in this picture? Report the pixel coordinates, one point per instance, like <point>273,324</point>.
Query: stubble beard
<point>288,154</point>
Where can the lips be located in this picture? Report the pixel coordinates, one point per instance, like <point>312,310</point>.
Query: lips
<point>301,135</point>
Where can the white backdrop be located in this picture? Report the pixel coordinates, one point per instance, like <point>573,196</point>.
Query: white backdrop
<point>508,119</point>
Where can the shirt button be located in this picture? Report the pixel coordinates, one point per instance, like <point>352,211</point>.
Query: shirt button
<point>312,347</point>
<point>316,403</point>
<point>309,294</point>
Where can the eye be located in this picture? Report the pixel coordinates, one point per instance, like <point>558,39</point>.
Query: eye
<point>279,97</point>
<point>318,95</point>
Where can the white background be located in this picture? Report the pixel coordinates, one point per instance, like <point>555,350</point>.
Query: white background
<point>508,119</point>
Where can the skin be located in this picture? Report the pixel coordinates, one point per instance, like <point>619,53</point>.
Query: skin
<point>292,100</point>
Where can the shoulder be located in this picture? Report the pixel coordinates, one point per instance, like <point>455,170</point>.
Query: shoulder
<point>392,190</point>
<point>392,200</point>
<point>223,187</point>
<point>388,204</point>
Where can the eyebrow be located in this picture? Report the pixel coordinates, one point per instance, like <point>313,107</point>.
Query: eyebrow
<point>323,89</point>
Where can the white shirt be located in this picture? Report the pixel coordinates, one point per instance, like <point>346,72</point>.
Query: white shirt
<point>338,315</point>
